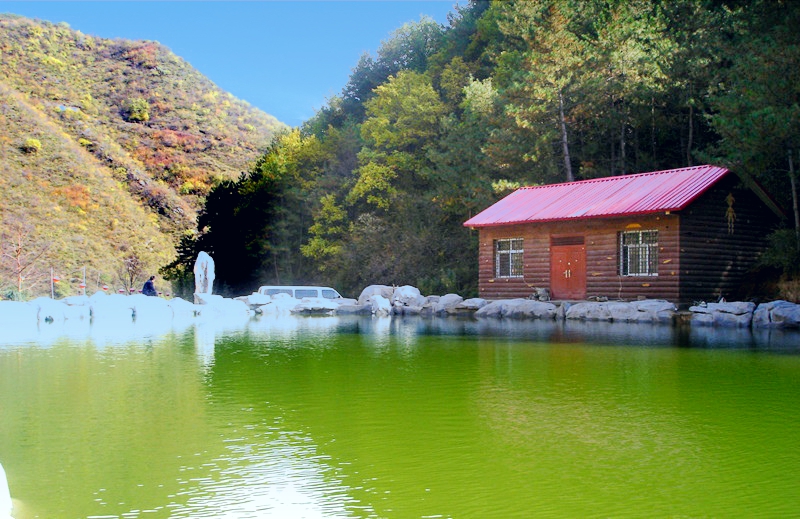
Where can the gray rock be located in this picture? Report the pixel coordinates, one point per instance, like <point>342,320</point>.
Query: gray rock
<point>380,305</point>
<point>588,312</point>
<point>315,305</point>
<point>529,309</point>
<point>447,303</point>
<point>381,290</point>
<point>645,311</point>
<point>352,309</point>
<point>407,296</point>
<point>777,314</point>
<point>476,303</point>
<point>518,309</point>
<point>735,314</point>
<point>655,310</point>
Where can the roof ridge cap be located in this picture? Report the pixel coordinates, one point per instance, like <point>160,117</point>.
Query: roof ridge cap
<point>616,177</point>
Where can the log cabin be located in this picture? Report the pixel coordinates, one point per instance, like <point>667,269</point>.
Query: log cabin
<point>684,235</point>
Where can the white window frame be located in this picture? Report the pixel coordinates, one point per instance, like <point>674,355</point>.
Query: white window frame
<point>508,258</point>
<point>638,253</point>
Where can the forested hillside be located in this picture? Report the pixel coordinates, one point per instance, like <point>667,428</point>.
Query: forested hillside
<point>108,149</point>
<point>445,120</point>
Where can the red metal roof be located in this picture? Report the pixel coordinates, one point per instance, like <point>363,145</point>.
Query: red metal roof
<point>658,191</point>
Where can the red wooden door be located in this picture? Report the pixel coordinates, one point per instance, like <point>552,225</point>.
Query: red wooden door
<point>568,271</point>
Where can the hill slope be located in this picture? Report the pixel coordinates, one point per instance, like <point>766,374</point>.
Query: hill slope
<point>107,149</point>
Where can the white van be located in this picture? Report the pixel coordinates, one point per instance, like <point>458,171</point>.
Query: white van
<point>299,292</point>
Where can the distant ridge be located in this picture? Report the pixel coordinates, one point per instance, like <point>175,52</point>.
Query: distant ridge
<point>107,149</point>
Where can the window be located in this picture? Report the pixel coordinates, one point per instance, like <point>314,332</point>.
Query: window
<point>508,258</point>
<point>273,291</point>
<point>638,253</point>
<point>300,293</point>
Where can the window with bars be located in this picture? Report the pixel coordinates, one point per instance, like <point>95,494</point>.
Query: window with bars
<point>508,258</point>
<point>638,253</point>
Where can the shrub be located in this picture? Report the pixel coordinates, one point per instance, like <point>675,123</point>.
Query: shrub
<point>136,110</point>
<point>31,145</point>
<point>782,252</point>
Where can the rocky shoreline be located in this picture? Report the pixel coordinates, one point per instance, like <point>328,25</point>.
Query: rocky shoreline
<point>386,301</point>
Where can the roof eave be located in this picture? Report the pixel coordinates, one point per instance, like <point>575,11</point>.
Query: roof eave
<point>574,219</point>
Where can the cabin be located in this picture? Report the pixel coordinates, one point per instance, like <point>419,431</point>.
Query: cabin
<point>684,235</point>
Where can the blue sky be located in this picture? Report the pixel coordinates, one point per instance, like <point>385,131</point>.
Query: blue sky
<point>284,57</point>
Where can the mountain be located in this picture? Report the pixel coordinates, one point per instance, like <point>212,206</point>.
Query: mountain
<point>107,151</point>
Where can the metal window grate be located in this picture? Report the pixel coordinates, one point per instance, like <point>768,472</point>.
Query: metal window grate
<point>638,253</point>
<point>508,258</point>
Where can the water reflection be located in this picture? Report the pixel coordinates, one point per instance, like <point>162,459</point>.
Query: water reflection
<point>335,417</point>
<point>379,330</point>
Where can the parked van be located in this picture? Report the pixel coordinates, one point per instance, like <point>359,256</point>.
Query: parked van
<point>300,292</point>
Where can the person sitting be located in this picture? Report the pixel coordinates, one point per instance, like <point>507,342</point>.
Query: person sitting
<point>149,288</point>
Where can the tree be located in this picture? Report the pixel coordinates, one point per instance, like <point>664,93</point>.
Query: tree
<point>408,48</point>
<point>326,234</point>
<point>401,119</point>
<point>758,112</point>
<point>20,252</point>
<point>461,174</point>
<point>547,77</point>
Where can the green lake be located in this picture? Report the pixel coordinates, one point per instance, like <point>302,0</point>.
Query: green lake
<point>402,418</point>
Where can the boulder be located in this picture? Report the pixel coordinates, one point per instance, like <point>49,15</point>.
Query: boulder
<point>279,304</point>
<point>530,309</point>
<point>447,304</point>
<point>382,290</point>
<point>409,310</point>
<point>380,305</point>
<point>655,310</point>
<point>518,309</point>
<point>644,311</point>
<point>734,314</point>
<point>475,303</point>
<point>216,306</point>
<point>255,299</point>
<point>586,311</point>
<point>315,305</point>
<point>407,296</point>
<point>354,309</point>
<point>777,314</point>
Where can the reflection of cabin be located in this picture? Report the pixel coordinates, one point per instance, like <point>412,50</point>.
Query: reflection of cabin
<point>683,235</point>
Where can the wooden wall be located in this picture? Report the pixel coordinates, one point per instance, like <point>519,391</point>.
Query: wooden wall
<point>602,260</point>
<point>715,261</point>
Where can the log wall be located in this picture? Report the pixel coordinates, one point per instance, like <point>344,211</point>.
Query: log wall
<point>602,257</point>
<point>715,258</point>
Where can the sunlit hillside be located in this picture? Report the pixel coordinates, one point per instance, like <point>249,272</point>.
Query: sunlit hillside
<point>107,150</point>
